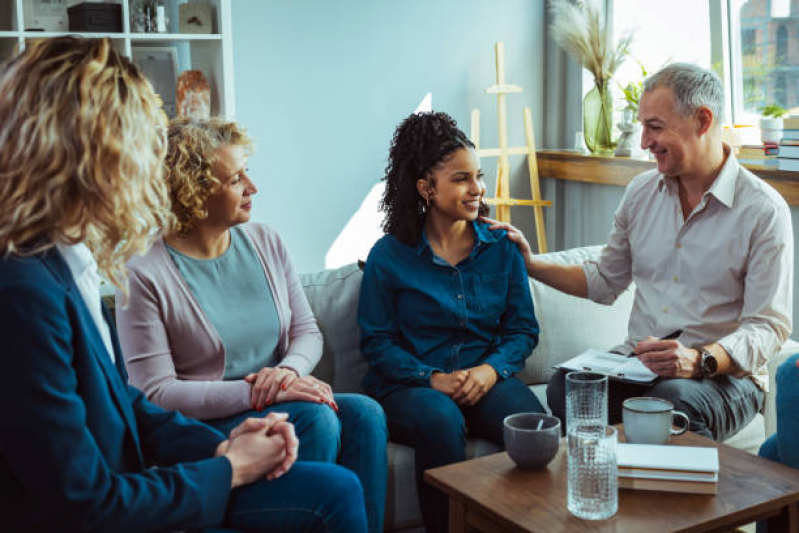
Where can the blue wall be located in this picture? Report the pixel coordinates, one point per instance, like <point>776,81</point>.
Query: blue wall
<point>321,85</point>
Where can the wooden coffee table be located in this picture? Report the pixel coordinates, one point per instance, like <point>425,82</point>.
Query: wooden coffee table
<point>490,494</point>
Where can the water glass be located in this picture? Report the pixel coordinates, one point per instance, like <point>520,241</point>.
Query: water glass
<point>586,401</point>
<point>593,491</point>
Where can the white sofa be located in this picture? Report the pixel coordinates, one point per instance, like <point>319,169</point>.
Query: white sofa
<point>569,326</point>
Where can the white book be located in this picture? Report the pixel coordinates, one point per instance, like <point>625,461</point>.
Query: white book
<point>694,463</point>
<point>674,475</point>
<point>613,365</point>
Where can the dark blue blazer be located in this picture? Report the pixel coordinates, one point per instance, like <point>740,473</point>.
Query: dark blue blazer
<point>80,450</point>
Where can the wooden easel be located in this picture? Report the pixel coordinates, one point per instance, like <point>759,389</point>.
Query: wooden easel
<point>503,201</point>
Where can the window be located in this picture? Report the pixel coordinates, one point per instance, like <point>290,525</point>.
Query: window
<point>764,60</point>
<point>752,44</point>
<point>664,34</point>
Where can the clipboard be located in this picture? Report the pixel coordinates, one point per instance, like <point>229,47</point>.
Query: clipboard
<point>615,366</point>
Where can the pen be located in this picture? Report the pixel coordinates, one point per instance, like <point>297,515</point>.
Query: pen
<point>670,336</point>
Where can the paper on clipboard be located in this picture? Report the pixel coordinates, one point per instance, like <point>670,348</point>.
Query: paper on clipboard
<point>612,365</point>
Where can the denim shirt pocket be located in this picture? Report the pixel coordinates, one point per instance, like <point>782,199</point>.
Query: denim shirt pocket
<point>491,294</point>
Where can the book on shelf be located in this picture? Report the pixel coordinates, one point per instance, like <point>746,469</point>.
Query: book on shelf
<point>766,164</point>
<point>665,485</point>
<point>790,134</point>
<point>786,163</point>
<point>791,151</point>
<point>758,151</point>
<point>615,366</point>
<point>791,122</point>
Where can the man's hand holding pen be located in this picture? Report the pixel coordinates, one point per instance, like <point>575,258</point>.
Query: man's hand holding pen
<point>668,357</point>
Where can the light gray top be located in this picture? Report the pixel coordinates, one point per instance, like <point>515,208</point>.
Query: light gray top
<point>723,275</point>
<point>231,289</point>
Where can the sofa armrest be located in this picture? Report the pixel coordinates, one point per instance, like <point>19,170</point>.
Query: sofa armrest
<point>770,406</point>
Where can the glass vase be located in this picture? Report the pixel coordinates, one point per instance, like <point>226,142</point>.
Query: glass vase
<point>598,119</point>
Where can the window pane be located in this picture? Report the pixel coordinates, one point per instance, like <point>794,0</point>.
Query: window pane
<point>668,31</point>
<point>769,52</point>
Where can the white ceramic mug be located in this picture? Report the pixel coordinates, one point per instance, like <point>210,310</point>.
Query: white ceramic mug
<point>651,420</point>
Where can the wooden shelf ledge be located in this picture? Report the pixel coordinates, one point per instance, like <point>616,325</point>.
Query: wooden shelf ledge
<point>567,165</point>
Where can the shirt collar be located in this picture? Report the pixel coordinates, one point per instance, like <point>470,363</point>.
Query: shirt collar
<point>78,257</point>
<point>481,232</point>
<point>723,187</point>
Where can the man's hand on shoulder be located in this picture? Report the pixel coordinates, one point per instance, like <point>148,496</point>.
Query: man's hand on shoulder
<point>668,358</point>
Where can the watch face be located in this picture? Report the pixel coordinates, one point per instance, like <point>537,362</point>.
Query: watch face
<point>709,363</point>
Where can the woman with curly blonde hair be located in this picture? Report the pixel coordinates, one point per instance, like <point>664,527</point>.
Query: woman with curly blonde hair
<point>81,190</point>
<point>218,326</point>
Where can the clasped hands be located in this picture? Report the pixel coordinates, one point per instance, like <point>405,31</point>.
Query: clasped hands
<point>465,387</point>
<point>260,448</point>
<point>280,384</point>
<point>668,358</point>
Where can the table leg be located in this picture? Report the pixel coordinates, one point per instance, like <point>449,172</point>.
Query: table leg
<point>787,520</point>
<point>457,517</point>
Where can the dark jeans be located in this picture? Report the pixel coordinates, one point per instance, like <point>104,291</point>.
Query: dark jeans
<point>433,424</point>
<point>312,497</point>
<point>717,408</point>
<point>356,437</point>
<point>782,446</point>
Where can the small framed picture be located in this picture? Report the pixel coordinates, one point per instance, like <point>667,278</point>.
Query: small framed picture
<point>46,15</point>
<point>160,65</point>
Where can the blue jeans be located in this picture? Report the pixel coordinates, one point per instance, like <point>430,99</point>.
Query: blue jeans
<point>355,438</point>
<point>781,446</point>
<point>311,497</point>
<point>433,424</point>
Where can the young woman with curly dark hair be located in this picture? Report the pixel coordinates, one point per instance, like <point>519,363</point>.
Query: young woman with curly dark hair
<point>445,310</point>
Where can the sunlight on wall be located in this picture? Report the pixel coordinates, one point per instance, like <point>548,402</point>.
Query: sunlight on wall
<point>363,228</point>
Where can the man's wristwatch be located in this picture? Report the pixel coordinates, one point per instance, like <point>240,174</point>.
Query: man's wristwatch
<point>708,365</point>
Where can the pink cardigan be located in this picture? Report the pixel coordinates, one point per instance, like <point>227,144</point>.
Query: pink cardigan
<point>175,355</point>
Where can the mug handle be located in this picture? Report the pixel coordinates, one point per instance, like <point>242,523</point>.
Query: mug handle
<point>682,428</point>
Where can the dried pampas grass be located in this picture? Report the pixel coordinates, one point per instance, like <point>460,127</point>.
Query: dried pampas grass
<point>580,28</point>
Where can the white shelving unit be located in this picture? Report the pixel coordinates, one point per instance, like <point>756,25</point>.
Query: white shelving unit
<point>211,53</point>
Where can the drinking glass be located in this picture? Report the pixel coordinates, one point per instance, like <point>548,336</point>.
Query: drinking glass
<point>586,400</point>
<point>593,491</point>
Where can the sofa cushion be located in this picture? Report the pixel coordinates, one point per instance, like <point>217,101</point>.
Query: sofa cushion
<point>571,325</point>
<point>333,295</point>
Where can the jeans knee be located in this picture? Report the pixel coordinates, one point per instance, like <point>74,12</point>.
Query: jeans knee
<point>319,433</point>
<point>368,416</point>
<point>442,423</point>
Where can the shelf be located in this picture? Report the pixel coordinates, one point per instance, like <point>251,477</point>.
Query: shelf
<point>174,36</point>
<point>211,53</point>
<point>569,165</point>
<point>116,35</point>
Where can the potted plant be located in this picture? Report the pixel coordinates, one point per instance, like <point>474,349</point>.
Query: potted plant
<point>583,31</point>
<point>629,142</point>
<point>771,123</point>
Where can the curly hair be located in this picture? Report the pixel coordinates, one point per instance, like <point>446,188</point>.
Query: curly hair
<point>421,142</point>
<point>193,144</point>
<point>81,149</point>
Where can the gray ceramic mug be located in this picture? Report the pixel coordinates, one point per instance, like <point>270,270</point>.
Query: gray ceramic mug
<point>531,439</point>
<point>651,420</point>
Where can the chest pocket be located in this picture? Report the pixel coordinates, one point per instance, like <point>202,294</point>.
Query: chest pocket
<point>491,294</point>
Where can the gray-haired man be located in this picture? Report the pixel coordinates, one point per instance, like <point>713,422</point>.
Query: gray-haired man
<point>710,248</point>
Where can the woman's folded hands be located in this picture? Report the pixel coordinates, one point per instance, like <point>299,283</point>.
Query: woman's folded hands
<point>272,385</point>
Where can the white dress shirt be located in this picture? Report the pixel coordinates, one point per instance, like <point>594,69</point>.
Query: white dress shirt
<point>83,267</point>
<point>723,275</point>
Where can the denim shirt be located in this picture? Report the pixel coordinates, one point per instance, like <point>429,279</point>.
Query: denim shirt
<point>418,314</point>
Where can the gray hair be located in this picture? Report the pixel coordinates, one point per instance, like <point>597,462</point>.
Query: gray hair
<point>693,87</point>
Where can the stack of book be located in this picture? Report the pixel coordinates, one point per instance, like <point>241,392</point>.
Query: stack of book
<point>668,468</point>
<point>762,156</point>
<point>789,146</point>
